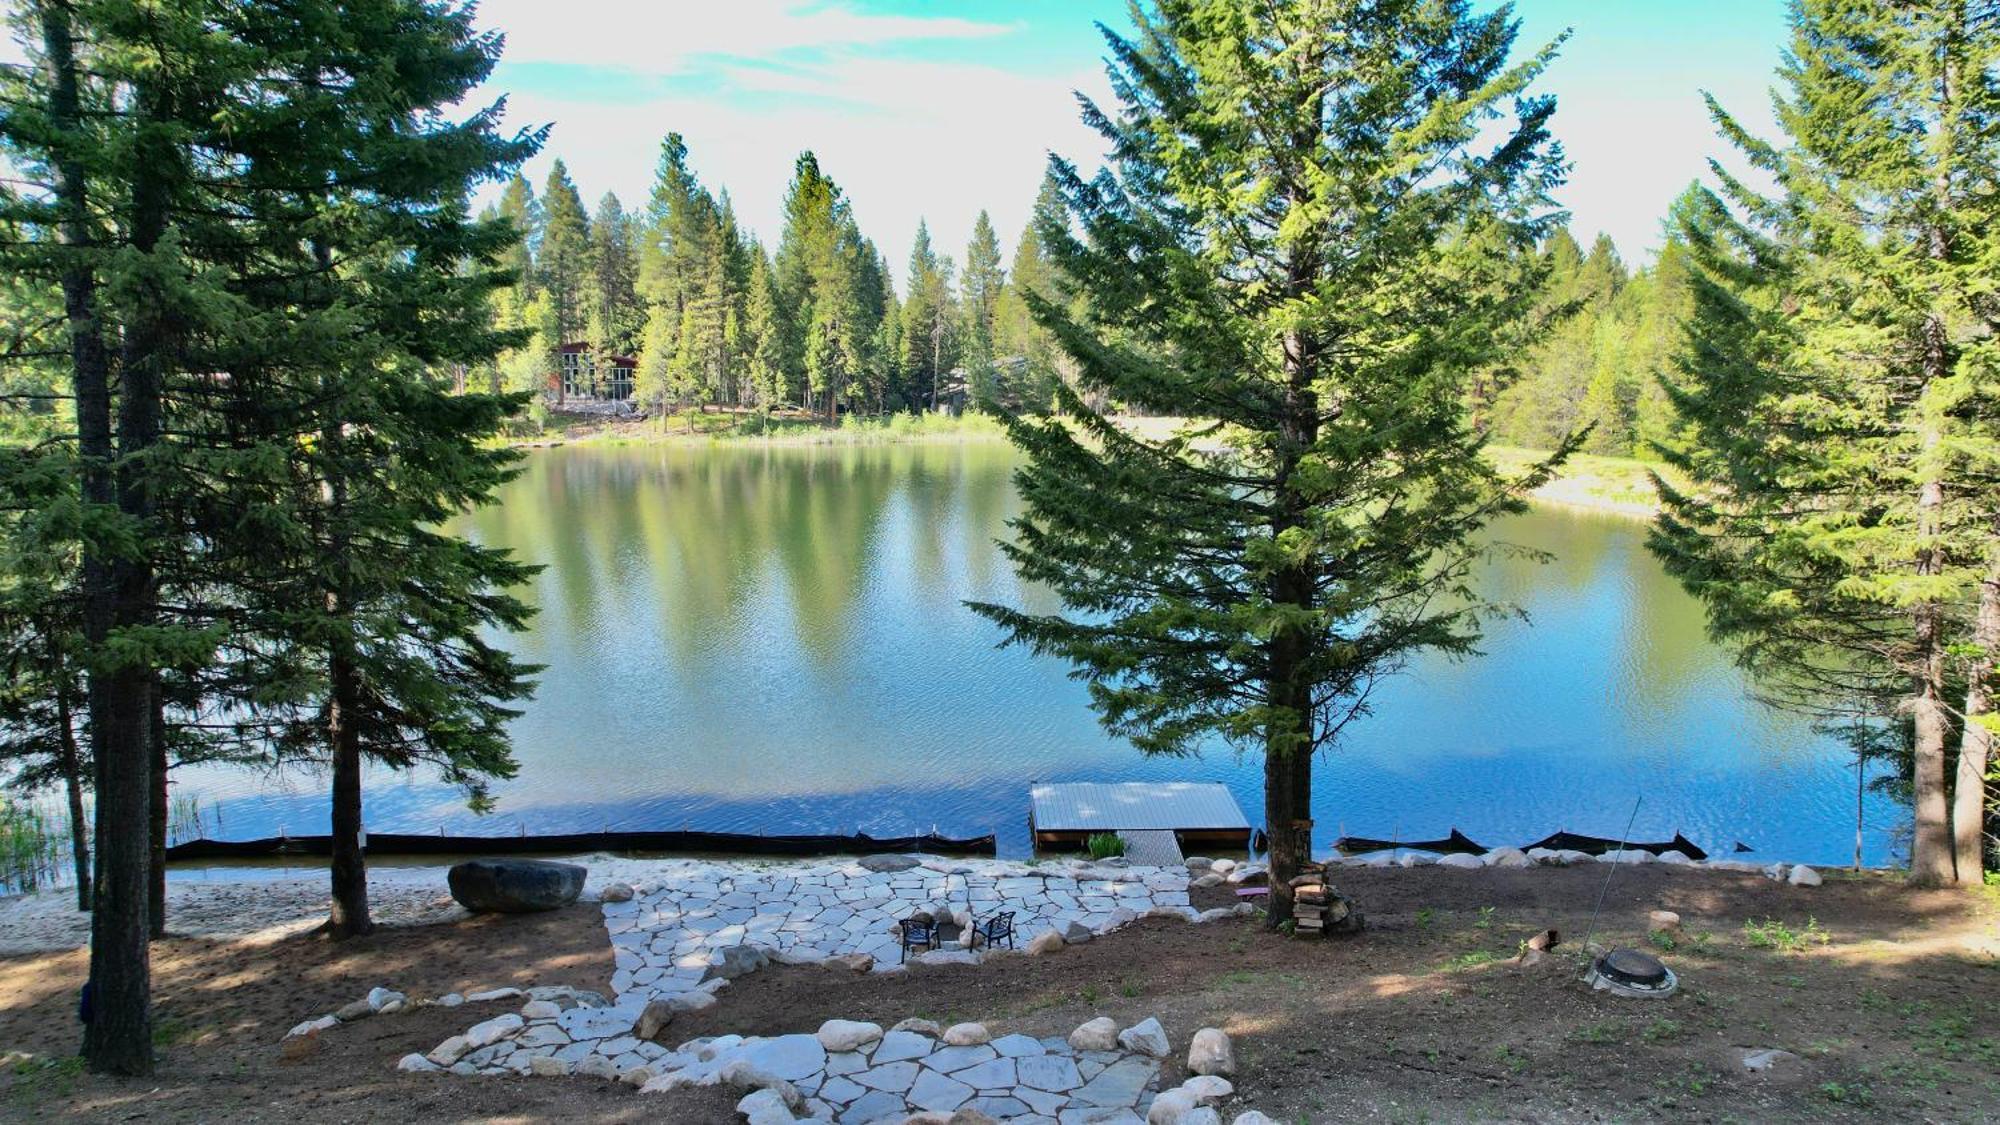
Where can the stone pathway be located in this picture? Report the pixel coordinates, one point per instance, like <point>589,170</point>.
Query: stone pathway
<point>696,921</point>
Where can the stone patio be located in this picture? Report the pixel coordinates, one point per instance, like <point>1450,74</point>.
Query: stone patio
<point>678,928</point>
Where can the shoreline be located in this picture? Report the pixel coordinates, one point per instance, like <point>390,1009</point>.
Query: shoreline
<point>261,905</point>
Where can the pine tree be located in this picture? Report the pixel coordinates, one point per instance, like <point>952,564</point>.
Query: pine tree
<point>765,334</point>
<point>613,298</point>
<point>1304,248</point>
<point>1015,330</point>
<point>930,341</point>
<point>1839,395</point>
<point>982,284</point>
<point>562,271</point>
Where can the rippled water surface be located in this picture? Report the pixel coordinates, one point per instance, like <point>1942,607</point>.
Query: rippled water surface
<point>773,640</point>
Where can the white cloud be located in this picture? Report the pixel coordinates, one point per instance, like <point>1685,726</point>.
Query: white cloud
<point>666,38</point>
<point>905,137</point>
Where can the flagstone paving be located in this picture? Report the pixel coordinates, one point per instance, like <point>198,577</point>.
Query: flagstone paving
<point>677,930</point>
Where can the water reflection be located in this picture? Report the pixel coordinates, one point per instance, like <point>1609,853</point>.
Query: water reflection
<point>773,639</point>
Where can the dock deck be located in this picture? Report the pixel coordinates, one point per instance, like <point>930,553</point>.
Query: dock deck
<point>1157,817</point>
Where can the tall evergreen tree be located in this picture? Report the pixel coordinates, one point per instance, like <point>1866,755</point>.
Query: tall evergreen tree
<point>930,339</point>
<point>1015,330</point>
<point>613,300</point>
<point>1305,245</point>
<point>562,271</point>
<point>982,284</point>
<point>1840,395</point>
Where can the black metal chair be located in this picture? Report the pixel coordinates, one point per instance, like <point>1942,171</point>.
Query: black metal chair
<point>917,933</point>
<point>998,928</point>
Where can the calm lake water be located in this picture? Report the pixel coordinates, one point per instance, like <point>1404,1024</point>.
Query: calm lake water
<point>773,640</point>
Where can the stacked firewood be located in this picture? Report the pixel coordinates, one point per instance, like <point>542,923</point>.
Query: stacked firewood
<point>1319,908</point>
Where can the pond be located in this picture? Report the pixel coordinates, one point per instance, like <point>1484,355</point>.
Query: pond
<point>772,639</point>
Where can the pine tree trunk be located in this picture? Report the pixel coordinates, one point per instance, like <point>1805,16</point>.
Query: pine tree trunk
<point>1279,805</point>
<point>1968,813</point>
<point>72,771</point>
<point>349,867</point>
<point>349,916</point>
<point>118,1039</point>
<point>156,731</point>
<point>1930,850</point>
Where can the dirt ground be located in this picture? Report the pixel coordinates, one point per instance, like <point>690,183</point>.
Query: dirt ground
<point>1890,998</point>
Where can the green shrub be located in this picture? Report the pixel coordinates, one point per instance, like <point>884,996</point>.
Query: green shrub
<point>1104,845</point>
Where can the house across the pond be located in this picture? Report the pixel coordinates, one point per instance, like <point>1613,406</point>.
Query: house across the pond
<point>589,377</point>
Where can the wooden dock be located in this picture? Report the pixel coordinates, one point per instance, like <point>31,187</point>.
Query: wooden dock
<point>1157,819</point>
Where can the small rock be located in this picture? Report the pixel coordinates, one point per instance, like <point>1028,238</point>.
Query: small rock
<point>450,1051</point>
<point>380,998</point>
<point>736,961</point>
<point>1461,861</point>
<point>1253,1117</point>
<point>315,1025</point>
<point>1199,863</point>
<point>297,1047</point>
<point>416,1063</point>
<point>966,1035</point>
<point>658,1014</point>
<point>966,1115</point>
<point>1663,922</point>
<point>847,1035</point>
<point>615,892</point>
<point>494,994</point>
<point>1146,1037</point>
<point>695,1001</point>
<point>636,1077</point>
<point>544,1066</point>
<point>393,1006</point>
<point>1803,876</point>
<point>1675,857</point>
<point>765,1107</point>
<point>1202,1115</point>
<point>1048,941</point>
<point>1210,1052</point>
<point>597,1066</point>
<point>1100,1034</point>
<point>541,1010</point>
<point>884,864</point>
<point>360,1009</point>
<point>1766,1059</point>
<point>1505,857</point>
<point>1171,1108</point>
<point>494,1030</point>
<point>854,962</point>
<point>1223,866</point>
<point>450,1000</point>
<point>921,1027</point>
<point>1076,933</point>
<point>1776,872</point>
<point>1209,1089</point>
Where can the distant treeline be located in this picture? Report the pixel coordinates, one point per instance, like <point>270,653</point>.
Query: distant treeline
<point>714,317</point>
<point>1606,360</point>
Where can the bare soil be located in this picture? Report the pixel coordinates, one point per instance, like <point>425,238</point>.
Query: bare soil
<point>1890,997</point>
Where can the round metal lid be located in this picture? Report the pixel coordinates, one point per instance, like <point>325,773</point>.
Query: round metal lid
<point>1629,966</point>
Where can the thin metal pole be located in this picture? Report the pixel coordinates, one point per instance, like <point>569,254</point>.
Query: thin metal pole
<point>1606,888</point>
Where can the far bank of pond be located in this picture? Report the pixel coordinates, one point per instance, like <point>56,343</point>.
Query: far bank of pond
<point>766,638</point>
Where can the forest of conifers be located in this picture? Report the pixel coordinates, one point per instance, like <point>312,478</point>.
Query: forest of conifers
<point>714,317</point>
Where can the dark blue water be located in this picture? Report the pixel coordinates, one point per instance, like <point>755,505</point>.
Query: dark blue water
<point>773,640</point>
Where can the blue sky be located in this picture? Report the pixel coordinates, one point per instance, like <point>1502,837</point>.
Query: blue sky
<point>939,109</point>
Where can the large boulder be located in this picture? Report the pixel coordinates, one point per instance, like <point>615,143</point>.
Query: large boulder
<point>514,886</point>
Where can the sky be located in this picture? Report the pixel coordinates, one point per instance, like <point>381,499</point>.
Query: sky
<point>936,110</point>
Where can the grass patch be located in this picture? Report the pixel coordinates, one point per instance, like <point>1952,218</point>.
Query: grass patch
<point>1775,935</point>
